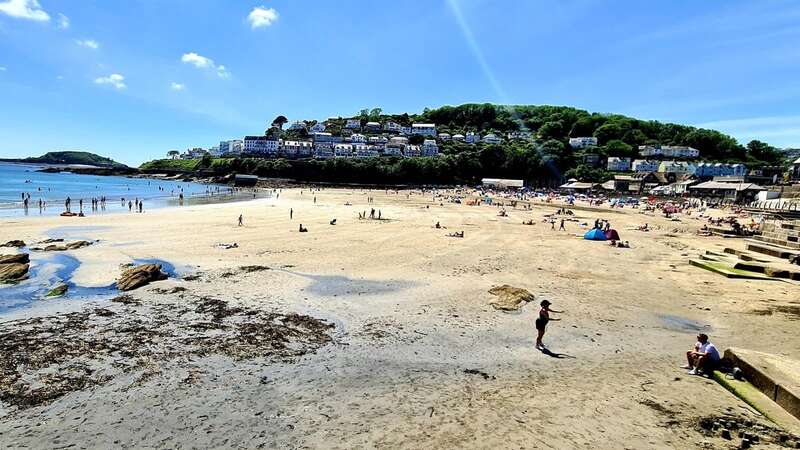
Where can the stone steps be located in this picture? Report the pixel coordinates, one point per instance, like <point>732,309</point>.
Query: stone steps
<point>778,242</point>
<point>765,248</point>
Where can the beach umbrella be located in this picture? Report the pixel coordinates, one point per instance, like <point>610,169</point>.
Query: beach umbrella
<point>612,235</point>
<point>595,234</point>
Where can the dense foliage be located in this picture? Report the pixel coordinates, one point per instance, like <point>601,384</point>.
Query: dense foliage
<point>85,158</point>
<point>544,159</point>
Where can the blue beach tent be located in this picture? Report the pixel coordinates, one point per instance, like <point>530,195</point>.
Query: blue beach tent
<point>595,234</point>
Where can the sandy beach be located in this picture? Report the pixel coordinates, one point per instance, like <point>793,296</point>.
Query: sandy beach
<point>380,334</point>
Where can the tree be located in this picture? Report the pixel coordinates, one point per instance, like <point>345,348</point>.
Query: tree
<point>173,154</point>
<point>618,148</point>
<point>761,152</point>
<point>375,114</point>
<point>552,130</point>
<point>416,139</point>
<point>280,121</point>
<point>608,132</point>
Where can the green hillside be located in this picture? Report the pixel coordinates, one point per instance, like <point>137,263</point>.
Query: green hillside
<point>70,157</point>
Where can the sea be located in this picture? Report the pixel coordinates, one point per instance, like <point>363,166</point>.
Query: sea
<point>53,189</point>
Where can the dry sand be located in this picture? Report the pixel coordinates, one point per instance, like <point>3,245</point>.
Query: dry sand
<point>418,357</point>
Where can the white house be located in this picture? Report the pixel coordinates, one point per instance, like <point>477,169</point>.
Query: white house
<point>299,125</point>
<point>261,145</point>
<point>353,124</point>
<point>297,149</point>
<point>343,150</point>
<point>393,150</point>
<point>406,130</point>
<point>392,126</point>
<point>669,151</point>
<point>399,140</point>
<point>710,170</point>
<point>458,137</point>
<point>425,129</point>
<point>232,147</point>
<point>472,138</point>
<point>378,140</point>
<point>373,126</point>
<point>364,151</point>
<point>645,165</point>
<point>581,142</point>
<point>358,138</point>
<point>429,148</point>
<point>616,164</point>
<point>520,135</point>
<point>491,138</point>
<point>444,136</point>
<point>318,127</point>
<point>412,151</point>
<point>321,136</point>
<point>678,167</point>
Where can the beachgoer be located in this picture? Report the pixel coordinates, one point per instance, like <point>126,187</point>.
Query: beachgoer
<point>542,320</point>
<point>291,213</point>
<point>703,357</point>
<point>562,226</point>
<point>241,220</point>
<point>303,230</point>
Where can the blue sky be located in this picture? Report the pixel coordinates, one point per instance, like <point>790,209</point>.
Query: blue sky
<point>133,79</point>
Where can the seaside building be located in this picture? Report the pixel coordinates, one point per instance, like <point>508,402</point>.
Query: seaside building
<point>645,165</point>
<point>298,125</point>
<point>429,148</point>
<point>492,138</point>
<point>378,140</point>
<point>406,130</point>
<point>233,147</point>
<point>617,164</point>
<point>373,127</point>
<point>296,149</point>
<point>393,127</point>
<point>425,129</point>
<point>472,138</point>
<point>711,170</point>
<point>261,145</point>
<point>581,142</point>
<point>412,151</point>
<point>399,140</point>
<point>353,124</point>
<point>677,167</point>
<point>393,150</point>
<point>358,138</point>
<point>668,151</point>
<point>520,135</point>
<point>458,137</point>
<point>444,136</point>
<point>365,151</point>
<point>343,150</point>
<point>194,153</point>
<point>318,127</point>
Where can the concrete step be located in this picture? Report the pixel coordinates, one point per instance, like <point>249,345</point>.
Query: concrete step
<point>779,242</point>
<point>776,251</point>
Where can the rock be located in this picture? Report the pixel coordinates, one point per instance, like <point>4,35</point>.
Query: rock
<point>11,273</point>
<point>725,434</point>
<point>58,291</point>
<point>510,298</point>
<point>62,248</point>
<point>20,258</point>
<point>78,244</point>
<point>140,276</point>
<point>15,243</point>
<point>745,444</point>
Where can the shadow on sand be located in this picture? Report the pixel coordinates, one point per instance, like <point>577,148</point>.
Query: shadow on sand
<point>552,354</point>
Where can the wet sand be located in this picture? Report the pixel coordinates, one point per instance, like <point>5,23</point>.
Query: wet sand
<point>416,357</point>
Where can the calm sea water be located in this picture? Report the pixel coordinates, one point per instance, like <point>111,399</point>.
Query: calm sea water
<point>54,188</point>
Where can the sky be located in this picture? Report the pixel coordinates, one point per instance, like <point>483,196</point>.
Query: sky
<point>134,79</point>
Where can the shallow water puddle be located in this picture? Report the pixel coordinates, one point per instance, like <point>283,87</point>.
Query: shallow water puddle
<point>75,232</point>
<point>337,285</point>
<point>679,323</point>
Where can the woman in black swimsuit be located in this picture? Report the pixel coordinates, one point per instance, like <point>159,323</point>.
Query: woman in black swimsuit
<point>541,322</point>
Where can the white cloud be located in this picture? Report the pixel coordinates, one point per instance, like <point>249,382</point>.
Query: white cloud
<point>63,21</point>
<point>177,86</point>
<point>261,16</point>
<point>24,9</point>
<point>115,79</point>
<point>2,69</point>
<point>201,62</point>
<point>88,43</point>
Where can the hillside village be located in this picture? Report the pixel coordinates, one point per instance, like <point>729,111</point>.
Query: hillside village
<point>543,145</point>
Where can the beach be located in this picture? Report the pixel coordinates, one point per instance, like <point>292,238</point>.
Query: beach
<point>382,333</point>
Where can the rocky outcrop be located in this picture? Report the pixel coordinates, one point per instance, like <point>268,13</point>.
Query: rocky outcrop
<point>15,243</point>
<point>510,298</point>
<point>63,247</point>
<point>14,272</point>
<point>58,291</point>
<point>139,276</point>
<point>19,258</point>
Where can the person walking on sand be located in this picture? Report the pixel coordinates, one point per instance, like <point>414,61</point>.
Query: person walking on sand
<point>291,213</point>
<point>241,220</point>
<point>561,227</point>
<point>542,320</point>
